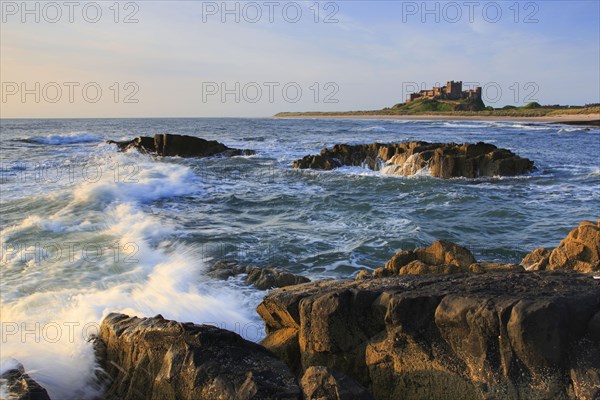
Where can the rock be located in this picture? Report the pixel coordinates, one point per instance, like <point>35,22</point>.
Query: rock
<point>382,272</point>
<point>261,278</point>
<point>363,274</point>
<point>319,383</point>
<point>441,257</point>
<point>270,277</point>
<point>442,160</point>
<point>18,385</point>
<point>225,269</point>
<point>153,358</point>
<point>483,267</point>
<point>536,260</point>
<point>579,251</point>
<point>179,145</point>
<point>508,335</point>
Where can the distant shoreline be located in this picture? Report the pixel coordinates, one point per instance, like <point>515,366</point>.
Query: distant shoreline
<point>574,119</point>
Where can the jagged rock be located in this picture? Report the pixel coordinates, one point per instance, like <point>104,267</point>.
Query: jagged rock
<point>153,358</point>
<point>443,160</point>
<point>441,257</point>
<point>319,383</point>
<point>363,274</point>
<point>508,335</point>
<point>261,278</point>
<point>579,251</point>
<point>382,272</point>
<point>537,260</point>
<point>18,385</point>
<point>268,278</point>
<point>179,145</point>
<point>225,269</point>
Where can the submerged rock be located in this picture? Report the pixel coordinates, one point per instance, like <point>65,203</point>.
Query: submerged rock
<point>443,160</point>
<point>511,335</point>
<point>153,358</point>
<point>261,278</point>
<point>15,384</point>
<point>179,145</point>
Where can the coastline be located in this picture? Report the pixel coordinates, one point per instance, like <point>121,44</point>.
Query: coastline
<point>557,119</point>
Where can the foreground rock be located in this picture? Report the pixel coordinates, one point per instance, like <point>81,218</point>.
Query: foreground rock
<point>179,145</point>
<point>152,358</point>
<point>261,278</point>
<point>579,251</point>
<point>514,335</point>
<point>20,386</point>
<point>443,160</point>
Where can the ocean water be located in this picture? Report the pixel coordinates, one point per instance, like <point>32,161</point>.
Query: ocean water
<point>86,230</point>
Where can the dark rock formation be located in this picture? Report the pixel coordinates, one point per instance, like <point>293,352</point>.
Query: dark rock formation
<point>443,160</point>
<point>319,383</point>
<point>261,278</point>
<point>179,145</point>
<point>510,335</point>
<point>20,386</point>
<point>579,251</point>
<point>152,358</point>
<point>593,122</point>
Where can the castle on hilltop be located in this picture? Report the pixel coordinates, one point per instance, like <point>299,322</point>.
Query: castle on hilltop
<point>452,91</point>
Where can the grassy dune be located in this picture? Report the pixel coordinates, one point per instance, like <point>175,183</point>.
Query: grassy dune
<point>455,108</point>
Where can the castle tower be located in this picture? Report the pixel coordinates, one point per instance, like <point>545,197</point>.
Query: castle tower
<point>454,90</point>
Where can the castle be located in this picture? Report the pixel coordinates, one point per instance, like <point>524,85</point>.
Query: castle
<point>452,91</point>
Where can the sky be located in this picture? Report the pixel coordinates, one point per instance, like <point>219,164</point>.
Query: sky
<point>256,58</point>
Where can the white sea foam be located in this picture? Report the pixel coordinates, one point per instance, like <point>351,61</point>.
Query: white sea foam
<point>66,138</point>
<point>149,182</point>
<point>47,325</point>
<point>373,129</point>
<point>570,130</point>
<point>465,125</point>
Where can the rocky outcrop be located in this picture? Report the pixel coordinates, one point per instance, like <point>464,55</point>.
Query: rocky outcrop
<point>153,358</point>
<point>579,251</point>
<point>18,385</point>
<point>261,278</point>
<point>511,335</point>
<point>179,145</point>
<point>319,383</point>
<point>443,160</point>
<point>442,257</point>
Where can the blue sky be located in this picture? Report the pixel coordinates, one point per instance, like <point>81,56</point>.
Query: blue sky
<point>179,57</point>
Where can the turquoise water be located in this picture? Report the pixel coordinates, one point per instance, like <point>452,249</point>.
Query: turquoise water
<point>86,230</point>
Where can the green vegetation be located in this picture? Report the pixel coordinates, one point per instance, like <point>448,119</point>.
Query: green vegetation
<point>533,104</point>
<point>457,108</point>
<point>422,106</point>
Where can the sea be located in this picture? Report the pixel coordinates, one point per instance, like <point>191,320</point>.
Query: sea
<point>87,230</point>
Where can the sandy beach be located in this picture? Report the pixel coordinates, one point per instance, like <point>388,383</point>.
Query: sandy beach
<point>566,119</point>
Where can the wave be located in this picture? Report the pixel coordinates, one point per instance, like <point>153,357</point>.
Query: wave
<point>141,182</point>
<point>463,125</point>
<point>373,129</point>
<point>65,138</point>
<point>527,127</point>
<point>141,269</point>
<point>570,130</point>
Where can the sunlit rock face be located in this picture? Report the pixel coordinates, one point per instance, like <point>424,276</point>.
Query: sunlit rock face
<point>496,335</point>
